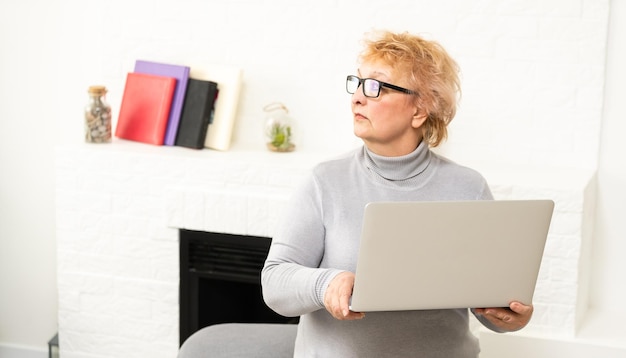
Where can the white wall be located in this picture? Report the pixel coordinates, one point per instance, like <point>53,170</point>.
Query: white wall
<point>609,290</point>
<point>29,129</point>
<point>533,79</point>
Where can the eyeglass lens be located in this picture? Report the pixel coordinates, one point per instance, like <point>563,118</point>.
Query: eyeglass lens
<point>371,87</point>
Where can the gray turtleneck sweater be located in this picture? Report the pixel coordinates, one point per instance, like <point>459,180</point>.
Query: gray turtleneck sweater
<point>319,238</point>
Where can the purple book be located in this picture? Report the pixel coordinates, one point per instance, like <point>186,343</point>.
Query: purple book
<point>181,74</point>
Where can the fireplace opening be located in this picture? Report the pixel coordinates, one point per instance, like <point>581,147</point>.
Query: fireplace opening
<point>220,281</point>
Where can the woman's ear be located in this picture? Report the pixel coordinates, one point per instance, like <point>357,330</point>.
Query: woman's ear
<point>418,119</point>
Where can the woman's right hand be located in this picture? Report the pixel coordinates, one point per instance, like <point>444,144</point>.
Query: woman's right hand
<point>337,297</point>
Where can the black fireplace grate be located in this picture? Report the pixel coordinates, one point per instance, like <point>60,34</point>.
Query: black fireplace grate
<point>226,260</point>
<point>220,280</point>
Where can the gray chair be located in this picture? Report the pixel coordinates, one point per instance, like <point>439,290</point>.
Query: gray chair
<point>230,340</point>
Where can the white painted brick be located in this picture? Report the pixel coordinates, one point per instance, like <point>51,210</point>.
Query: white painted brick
<point>564,30</point>
<point>502,192</point>
<point>66,353</point>
<point>88,324</point>
<point>95,222</point>
<point>174,207</point>
<point>544,272</point>
<point>568,202</point>
<point>67,220</point>
<point>595,10</point>
<point>562,319</point>
<point>134,267</point>
<point>72,340</point>
<point>67,198</point>
<point>226,211</point>
<point>197,172</point>
<point>520,49</point>
<point>564,293</point>
<point>96,243</point>
<point>283,177</point>
<point>166,311</point>
<point>193,209</point>
<point>590,98</point>
<point>556,292</point>
<point>127,328</point>
<point>100,264</point>
<point>265,211</point>
<point>118,306</point>
<point>515,26</point>
<point>561,8</point>
<point>135,205</point>
<point>540,315</point>
<point>555,97</point>
<point>563,246</point>
<point>122,225</point>
<point>565,269</point>
<point>160,232</point>
<point>166,292</point>
<point>68,302</point>
<point>68,262</point>
<point>90,284</point>
<point>159,349</point>
<point>137,288</point>
<point>161,251</point>
<point>566,224</point>
<point>167,271</point>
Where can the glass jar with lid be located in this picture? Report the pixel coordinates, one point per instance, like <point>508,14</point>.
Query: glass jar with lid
<point>97,116</point>
<point>278,128</point>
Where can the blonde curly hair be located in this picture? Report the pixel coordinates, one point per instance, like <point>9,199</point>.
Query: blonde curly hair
<point>432,73</point>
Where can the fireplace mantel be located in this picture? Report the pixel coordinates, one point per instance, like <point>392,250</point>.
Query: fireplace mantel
<point>120,205</point>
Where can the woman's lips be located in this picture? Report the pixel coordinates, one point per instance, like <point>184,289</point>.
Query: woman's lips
<point>359,117</point>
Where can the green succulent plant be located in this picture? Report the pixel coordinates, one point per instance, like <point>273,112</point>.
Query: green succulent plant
<point>280,136</point>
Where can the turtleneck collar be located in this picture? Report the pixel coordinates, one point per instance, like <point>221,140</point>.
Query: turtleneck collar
<point>399,168</point>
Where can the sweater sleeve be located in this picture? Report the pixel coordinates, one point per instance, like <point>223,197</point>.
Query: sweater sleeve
<point>292,282</point>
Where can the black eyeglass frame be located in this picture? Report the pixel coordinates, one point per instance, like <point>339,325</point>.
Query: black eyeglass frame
<point>382,84</point>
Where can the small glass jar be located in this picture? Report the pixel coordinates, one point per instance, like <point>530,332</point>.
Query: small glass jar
<point>278,128</point>
<point>97,116</point>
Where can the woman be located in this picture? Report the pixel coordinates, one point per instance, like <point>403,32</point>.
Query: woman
<point>404,95</point>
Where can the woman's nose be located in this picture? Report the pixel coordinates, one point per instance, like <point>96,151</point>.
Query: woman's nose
<point>358,96</point>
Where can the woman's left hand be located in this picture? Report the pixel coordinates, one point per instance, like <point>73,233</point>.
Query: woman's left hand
<point>509,319</point>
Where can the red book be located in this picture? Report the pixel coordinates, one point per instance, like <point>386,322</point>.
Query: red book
<point>145,108</point>
<point>181,74</point>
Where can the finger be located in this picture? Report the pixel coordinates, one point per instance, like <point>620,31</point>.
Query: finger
<point>339,311</point>
<point>499,314</point>
<point>521,308</point>
<point>479,311</point>
<point>337,296</point>
<point>330,298</point>
<point>354,315</point>
<point>336,307</point>
<point>344,303</point>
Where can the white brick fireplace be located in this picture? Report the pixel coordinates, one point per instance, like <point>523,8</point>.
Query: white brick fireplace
<point>119,208</point>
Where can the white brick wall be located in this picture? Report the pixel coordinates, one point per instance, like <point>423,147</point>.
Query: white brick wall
<point>561,296</point>
<point>119,207</point>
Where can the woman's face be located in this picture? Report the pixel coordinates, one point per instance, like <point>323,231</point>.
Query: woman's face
<point>389,124</point>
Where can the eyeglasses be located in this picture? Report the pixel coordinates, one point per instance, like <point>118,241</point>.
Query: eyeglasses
<point>371,87</point>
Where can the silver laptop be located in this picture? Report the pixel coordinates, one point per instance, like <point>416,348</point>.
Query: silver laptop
<point>449,254</point>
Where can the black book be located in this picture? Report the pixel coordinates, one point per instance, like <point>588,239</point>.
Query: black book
<point>197,113</point>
